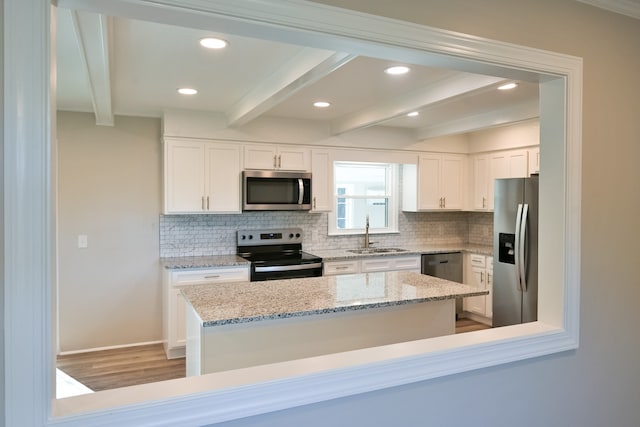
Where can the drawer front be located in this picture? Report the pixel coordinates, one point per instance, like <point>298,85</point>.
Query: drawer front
<point>217,275</point>
<point>378,264</point>
<point>407,263</point>
<point>489,263</point>
<point>340,267</point>
<point>477,260</point>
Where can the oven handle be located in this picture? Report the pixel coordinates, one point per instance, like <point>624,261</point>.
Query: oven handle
<point>288,267</point>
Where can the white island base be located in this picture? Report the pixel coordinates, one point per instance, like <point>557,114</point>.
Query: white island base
<point>232,346</point>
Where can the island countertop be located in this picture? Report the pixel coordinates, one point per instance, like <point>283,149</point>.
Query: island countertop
<point>244,302</point>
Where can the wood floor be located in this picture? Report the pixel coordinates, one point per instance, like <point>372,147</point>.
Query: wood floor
<point>468,325</point>
<point>109,369</point>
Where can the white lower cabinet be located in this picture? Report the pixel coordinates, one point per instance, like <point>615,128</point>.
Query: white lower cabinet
<point>174,330</point>
<point>372,264</point>
<point>479,273</point>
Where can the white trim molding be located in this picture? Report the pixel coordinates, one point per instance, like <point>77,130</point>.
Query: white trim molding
<point>231,395</point>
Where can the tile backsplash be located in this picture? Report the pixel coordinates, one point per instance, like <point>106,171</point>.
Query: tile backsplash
<point>196,235</point>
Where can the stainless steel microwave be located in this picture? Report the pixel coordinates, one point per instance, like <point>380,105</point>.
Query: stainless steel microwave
<point>265,190</point>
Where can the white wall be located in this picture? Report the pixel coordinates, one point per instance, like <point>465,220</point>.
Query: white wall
<point>517,135</point>
<point>109,187</point>
<point>598,384</point>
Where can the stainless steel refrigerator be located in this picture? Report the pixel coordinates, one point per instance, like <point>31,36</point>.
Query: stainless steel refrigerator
<point>515,246</point>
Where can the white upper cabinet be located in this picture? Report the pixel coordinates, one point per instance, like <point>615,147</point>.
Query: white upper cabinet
<point>201,177</point>
<point>435,183</point>
<point>276,157</point>
<point>487,167</point>
<point>321,181</point>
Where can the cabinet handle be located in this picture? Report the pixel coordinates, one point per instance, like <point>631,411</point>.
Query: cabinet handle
<point>484,201</point>
<point>279,161</point>
<point>275,161</point>
<point>314,202</point>
<point>342,267</point>
<point>488,277</point>
<point>202,203</point>
<point>207,202</point>
<point>216,276</point>
<point>481,278</point>
<point>444,202</point>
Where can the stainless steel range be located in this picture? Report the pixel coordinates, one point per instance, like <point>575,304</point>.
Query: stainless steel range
<point>277,254</point>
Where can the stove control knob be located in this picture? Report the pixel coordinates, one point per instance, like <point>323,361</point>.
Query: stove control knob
<point>250,236</point>
<point>298,235</point>
<point>243,237</point>
<point>291,235</point>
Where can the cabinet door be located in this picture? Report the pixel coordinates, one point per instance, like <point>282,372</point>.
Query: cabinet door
<point>183,176</point>
<point>518,164</point>
<point>476,304</point>
<point>451,182</point>
<point>293,159</point>
<point>322,181</point>
<point>488,310</point>
<point>376,264</point>
<point>180,334</point>
<point>429,182</point>
<point>334,268</point>
<point>411,263</point>
<point>260,157</point>
<point>222,163</point>
<point>498,168</point>
<point>480,182</point>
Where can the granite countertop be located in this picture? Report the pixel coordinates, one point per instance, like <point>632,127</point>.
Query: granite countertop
<point>343,254</point>
<point>244,302</point>
<point>203,261</point>
<point>326,255</point>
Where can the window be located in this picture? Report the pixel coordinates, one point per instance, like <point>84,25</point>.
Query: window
<point>361,191</point>
<point>28,297</point>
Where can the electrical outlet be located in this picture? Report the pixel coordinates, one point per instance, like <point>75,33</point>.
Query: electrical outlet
<point>83,241</point>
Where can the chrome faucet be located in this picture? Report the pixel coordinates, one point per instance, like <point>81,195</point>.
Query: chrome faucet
<point>366,234</point>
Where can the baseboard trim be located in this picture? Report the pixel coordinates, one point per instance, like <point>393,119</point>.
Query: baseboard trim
<point>477,318</point>
<point>113,347</point>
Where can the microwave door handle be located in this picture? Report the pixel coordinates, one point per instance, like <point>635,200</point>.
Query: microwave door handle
<point>300,191</point>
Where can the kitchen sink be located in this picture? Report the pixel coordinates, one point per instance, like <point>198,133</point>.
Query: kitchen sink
<point>375,250</point>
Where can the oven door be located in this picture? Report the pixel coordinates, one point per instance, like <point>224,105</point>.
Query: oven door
<point>295,271</point>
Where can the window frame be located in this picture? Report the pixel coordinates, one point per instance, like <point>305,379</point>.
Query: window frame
<point>29,270</point>
<point>392,195</point>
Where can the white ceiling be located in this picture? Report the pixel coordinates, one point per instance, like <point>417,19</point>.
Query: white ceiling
<point>116,66</point>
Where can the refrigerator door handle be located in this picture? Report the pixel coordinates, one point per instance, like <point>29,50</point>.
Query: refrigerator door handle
<point>523,257</point>
<point>517,246</point>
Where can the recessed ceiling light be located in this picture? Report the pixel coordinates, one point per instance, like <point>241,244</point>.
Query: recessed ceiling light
<point>507,86</point>
<point>213,43</point>
<point>187,91</point>
<point>396,70</point>
<point>413,114</point>
<point>321,104</point>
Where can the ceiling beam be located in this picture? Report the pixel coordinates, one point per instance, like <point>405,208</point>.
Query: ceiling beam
<point>513,113</point>
<point>450,87</point>
<point>304,69</point>
<point>92,35</point>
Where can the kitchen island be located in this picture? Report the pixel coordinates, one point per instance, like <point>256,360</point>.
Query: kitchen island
<point>237,325</point>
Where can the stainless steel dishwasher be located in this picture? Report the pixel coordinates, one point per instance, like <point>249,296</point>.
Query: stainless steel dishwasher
<point>446,266</point>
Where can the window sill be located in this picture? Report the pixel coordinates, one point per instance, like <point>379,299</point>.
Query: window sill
<point>361,233</point>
